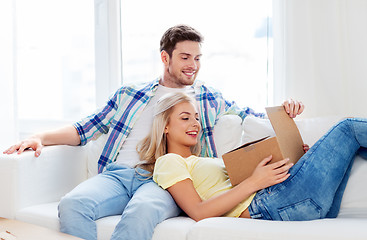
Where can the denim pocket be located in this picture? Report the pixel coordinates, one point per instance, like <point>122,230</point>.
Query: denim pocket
<point>301,211</point>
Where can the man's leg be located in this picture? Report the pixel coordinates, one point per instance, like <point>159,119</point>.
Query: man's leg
<point>100,196</point>
<point>149,206</point>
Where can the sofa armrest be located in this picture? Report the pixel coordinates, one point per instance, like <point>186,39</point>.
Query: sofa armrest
<point>26,180</point>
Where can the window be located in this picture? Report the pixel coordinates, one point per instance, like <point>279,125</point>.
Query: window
<point>54,54</point>
<point>59,80</point>
<point>237,49</point>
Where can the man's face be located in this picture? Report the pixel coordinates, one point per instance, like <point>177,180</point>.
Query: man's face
<point>183,66</point>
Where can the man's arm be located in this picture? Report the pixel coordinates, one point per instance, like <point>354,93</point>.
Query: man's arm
<point>293,108</point>
<point>64,136</point>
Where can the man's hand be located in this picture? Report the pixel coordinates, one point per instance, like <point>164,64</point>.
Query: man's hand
<point>293,108</point>
<point>34,143</point>
<point>63,136</point>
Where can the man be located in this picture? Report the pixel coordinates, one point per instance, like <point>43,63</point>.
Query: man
<point>127,117</point>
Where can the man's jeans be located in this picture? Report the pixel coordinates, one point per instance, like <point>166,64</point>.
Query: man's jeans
<point>317,182</point>
<point>117,191</point>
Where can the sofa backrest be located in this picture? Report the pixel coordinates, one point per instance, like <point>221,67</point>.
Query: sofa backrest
<point>311,129</point>
<point>230,132</point>
<point>227,135</point>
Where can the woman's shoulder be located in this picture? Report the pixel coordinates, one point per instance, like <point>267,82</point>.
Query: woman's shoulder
<point>175,156</point>
<point>170,156</point>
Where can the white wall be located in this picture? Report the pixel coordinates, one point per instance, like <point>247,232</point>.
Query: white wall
<point>8,123</point>
<point>322,55</point>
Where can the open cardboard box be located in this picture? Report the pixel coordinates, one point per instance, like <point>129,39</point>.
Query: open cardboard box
<point>241,162</point>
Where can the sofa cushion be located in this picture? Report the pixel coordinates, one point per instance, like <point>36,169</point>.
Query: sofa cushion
<point>236,229</point>
<point>45,215</point>
<point>173,228</point>
<point>354,202</point>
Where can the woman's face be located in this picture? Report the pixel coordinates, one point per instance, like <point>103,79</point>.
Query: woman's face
<point>183,128</point>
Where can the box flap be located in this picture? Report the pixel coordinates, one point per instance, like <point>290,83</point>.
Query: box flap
<point>241,163</point>
<point>249,143</point>
<point>287,133</point>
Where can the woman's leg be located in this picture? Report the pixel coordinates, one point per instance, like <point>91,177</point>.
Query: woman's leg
<point>363,152</point>
<point>97,197</point>
<point>318,180</point>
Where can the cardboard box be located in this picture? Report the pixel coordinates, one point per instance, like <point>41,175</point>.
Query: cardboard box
<point>241,162</point>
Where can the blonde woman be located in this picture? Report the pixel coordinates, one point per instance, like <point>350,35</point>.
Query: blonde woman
<point>278,191</point>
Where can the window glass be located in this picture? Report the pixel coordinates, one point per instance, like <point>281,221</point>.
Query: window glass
<point>237,48</point>
<point>55,58</point>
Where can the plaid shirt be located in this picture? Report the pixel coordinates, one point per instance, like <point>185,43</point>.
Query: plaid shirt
<point>118,117</point>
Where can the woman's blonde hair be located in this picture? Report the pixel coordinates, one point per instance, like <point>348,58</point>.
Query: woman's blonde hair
<point>154,145</point>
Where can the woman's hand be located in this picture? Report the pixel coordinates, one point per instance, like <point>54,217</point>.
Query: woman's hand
<point>305,147</point>
<point>266,175</point>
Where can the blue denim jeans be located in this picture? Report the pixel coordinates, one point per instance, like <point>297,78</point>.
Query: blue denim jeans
<point>119,190</point>
<point>318,180</point>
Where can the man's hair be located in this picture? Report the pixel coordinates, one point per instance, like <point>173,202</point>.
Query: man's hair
<point>155,144</point>
<point>176,34</point>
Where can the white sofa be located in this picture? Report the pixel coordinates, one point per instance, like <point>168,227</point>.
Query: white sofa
<point>31,188</point>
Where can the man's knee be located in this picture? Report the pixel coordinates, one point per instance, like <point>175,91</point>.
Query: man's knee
<point>151,201</point>
<point>75,205</point>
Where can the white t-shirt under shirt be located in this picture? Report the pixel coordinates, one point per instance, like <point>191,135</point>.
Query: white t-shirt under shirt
<point>128,155</point>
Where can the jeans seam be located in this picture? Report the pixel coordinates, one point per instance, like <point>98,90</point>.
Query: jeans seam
<point>353,127</point>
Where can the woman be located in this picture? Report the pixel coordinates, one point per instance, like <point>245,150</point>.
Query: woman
<point>311,189</point>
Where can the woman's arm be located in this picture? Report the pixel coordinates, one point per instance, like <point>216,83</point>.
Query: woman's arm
<point>264,176</point>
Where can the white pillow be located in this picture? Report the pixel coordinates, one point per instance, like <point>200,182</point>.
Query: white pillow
<point>255,128</point>
<point>227,133</point>
<point>311,129</point>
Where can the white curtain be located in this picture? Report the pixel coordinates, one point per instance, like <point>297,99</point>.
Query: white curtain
<point>320,55</point>
<point>7,102</point>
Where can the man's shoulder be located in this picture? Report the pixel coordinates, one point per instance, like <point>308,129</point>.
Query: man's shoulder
<point>137,87</point>
<point>208,90</point>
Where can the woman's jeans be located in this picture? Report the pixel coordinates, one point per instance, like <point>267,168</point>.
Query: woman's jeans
<point>119,190</point>
<point>317,182</point>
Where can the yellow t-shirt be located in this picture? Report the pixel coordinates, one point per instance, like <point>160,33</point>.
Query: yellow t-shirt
<point>208,175</point>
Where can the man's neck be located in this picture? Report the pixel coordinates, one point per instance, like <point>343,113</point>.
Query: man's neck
<point>171,84</point>
<point>167,83</point>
